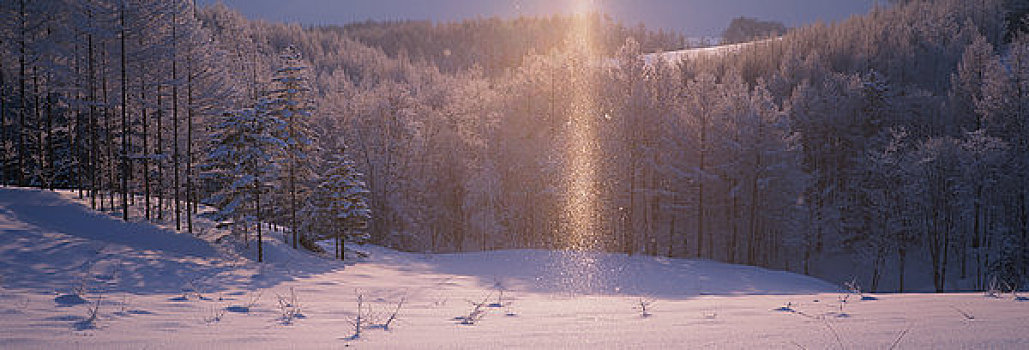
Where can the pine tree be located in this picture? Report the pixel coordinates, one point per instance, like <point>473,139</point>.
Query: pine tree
<point>241,160</point>
<point>339,207</point>
<point>289,100</point>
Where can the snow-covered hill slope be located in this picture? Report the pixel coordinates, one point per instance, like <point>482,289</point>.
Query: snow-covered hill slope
<point>159,289</point>
<point>676,56</point>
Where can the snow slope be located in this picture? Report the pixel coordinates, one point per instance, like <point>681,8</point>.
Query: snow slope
<point>164,290</point>
<point>722,50</point>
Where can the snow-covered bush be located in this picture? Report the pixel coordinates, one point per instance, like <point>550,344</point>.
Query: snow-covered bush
<point>643,305</point>
<point>92,315</point>
<point>477,312</point>
<point>289,307</point>
<point>360,318</point>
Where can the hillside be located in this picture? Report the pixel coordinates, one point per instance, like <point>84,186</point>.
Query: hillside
<point>705,52</point>
<point>59,259</point>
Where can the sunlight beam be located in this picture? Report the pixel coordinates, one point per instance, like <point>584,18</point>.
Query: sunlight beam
<point>581,204</point>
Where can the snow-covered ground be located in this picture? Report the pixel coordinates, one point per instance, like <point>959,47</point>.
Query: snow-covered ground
<point>159,289</point>
<point>721,50</point>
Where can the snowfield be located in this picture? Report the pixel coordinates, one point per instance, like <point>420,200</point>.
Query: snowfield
<point>156,289</point>
<point>674,57</point>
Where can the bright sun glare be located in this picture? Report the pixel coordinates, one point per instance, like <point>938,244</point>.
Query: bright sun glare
<point>581,204</point>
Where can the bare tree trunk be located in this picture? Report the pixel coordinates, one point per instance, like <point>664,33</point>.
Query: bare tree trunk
<point>175,126</point>
<point>630,210</point>
<point>902,254</point>
<point>51,172</point>
<point>293,180</point>
<point>293,196</point>
<point>22,109</point>
<point>933,228</point>
<point>159,135</point>
<point>75,138</point>
<point>655,204</point>
<point>108,131</point>
<point>1024,223</point>
<point>948,227</point>
<point>3,125</point>
<point>124,121</point>
<point>146,137</point>
<point>685,239</point>
<point>671,236</point>
<point>700,184</point>
<point>734,223</point>
<point>94,151</point>
<point>37,113</point>
<point>752,245</point>
<point>260,237</point>
<point>190,196</point>
<point>880,256</point>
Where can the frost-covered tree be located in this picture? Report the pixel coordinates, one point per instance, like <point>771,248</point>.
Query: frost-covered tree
<point>1019,62</point>
<point>290,100</point>
<point>242,161</point>
<point>338,207</point>
<point>778,152</point>
<point>984,177</point>
<point>701,103</point>
<point>773,179</point>
<point>967,85</point>
<point>946,196</point>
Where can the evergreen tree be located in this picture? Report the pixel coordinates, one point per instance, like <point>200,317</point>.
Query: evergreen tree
<point>338,209</point>
<point>242,161</point>
<point>289,100</point>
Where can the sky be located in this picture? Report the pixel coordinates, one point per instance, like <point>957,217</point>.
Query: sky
<point>694,18</point>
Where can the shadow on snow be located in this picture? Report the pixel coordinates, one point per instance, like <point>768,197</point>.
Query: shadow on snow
<point>51,243</point>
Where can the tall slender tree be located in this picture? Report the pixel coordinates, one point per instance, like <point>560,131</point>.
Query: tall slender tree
<point>289,99</point>
<point>242,160</point>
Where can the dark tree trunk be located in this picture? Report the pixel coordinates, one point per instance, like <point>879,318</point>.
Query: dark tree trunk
<point>293,180</point>
<point>752,245</point>
<point>108,131</point>
<point>175,127</point>
<point>22,108</point>
<point>902,254</point>
<point>260,237</point>
<point>630,210</point>
<point>700,184</point>
<point>671,237</point>
<point>93,149</point>
<point>3,125</point>
<point>124,121</point>
<point>190,195</point>
<point>159,134</point>
<point>51,166</point>
<point>1024,223</point>
<point>293,196</point>
<point>50,163</point>
<point>37,114</point>
<point>877,266</point>
<point>145,137</point>
<point>734,222</point>
<point>75,137</point>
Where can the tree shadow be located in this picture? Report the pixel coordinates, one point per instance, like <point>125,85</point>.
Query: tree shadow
<point>51,243</point>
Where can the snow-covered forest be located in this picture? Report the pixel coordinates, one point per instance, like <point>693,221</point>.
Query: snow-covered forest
<point>895,142</point>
